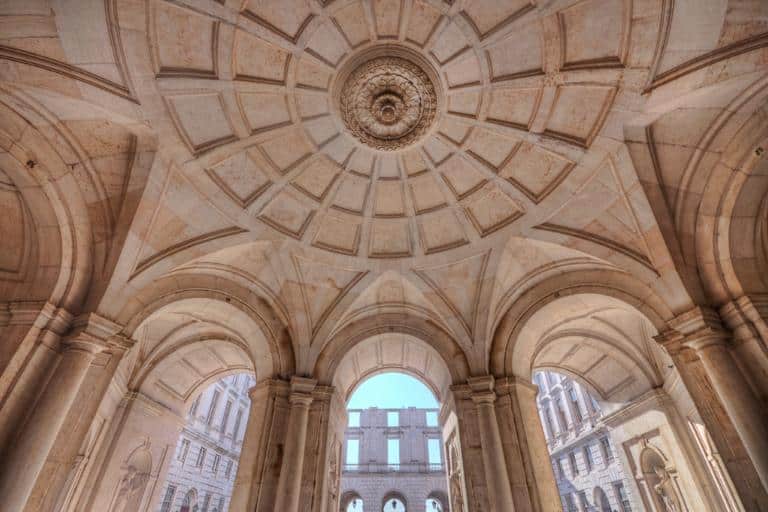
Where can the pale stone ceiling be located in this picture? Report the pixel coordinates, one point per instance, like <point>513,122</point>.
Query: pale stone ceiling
<point>217,124</point>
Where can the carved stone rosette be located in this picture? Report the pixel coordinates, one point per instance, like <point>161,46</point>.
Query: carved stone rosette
<point>388,103</point>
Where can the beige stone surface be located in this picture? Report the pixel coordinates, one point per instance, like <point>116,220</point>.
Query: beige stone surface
<point>178,186</point>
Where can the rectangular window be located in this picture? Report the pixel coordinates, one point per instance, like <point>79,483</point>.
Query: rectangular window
<point>550,423</point>
<point>583,501</point>
<point>561,413</point>
<point>168,499</point>
<point>212,408</point>
<point>228,471</point>
<point>215,465</point>
<point>393,453</point>
<point>574,464</point>
<point>570,504</point>
<point>195,405</point>
<point>206,502</point>
<point>238,419</point>
<point>225,417</point>
<point>622,498</point>
<point>605,444</point>
<point>588,458</point>
<point>432,419</point>
<point>434,452</point>
<point>354,419</point>
<point>201,457</point>
<point>575,404</point>
<point>221,504</point>
<point>183,450</point>
<point>353,452</point>
<point>393,419</point>
<point>560,468</point>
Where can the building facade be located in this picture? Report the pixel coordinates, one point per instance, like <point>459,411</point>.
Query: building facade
<point>202,472</point>
<point>589,474</point>
<point>393,461</point>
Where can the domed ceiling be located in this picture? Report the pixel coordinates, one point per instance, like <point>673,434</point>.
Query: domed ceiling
<point>394,129</point>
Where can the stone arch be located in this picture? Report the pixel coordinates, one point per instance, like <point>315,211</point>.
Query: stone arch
<point>394,501</point>
<point>441,497</point>
<point>130,490</point>
<point>615,290</point>
<point>602,504</point>
<point>732,214</point>
<point>189,503</point>
<point>422,331</point>
<point>349,498</point>
<point>257,316</point>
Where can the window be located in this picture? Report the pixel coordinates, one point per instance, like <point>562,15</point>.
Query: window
<point>183,450</point>
<point>354,418</point>
<point>221,504</point>
<point>561,413</point>
<point>560,468</point>
<point>215,465</point>
<point>539,382</point>
<point>195,405</point>
<point>225,417</point>
<point>238,419</point>
<point>622,498</point>
<point>168,499</point>
<point>201,457</point>
<point>212,408</point>
<point>432,419</point>
<point>605,445</point>
<point>570,504</point>
<point>551,378</point>
<point>583,500</point>
<point>588,458</point>
<point>206,502</point>
<point>393,452</point>
<point>575,405</point>
<point>228,471</point>
<point>353,452</point>
<point>393,419</point>
<point>574,464</point>
<point>433,452</point>
<point>550,423</point>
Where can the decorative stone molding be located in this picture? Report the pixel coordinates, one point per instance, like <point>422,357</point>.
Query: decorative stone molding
<point>655,398</point>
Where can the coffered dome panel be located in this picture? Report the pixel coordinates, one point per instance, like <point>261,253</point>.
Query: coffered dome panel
<point>388,129</point>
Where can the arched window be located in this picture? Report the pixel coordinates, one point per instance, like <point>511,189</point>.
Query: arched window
<point>601,500</point>
<point>393,505</point>
<point>436,502</point>
<point>190,502</point>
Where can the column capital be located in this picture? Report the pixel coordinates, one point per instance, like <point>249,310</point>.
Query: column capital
<point>302,390</point>
<point>100,333</point>
<point>697,329</point>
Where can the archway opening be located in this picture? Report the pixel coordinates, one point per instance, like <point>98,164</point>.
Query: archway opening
<point>581,448</point>
<point>393,447</point>
<point>208,449</point>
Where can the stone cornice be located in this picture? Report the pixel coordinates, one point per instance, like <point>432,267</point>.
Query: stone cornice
<point>653,398</point>
<point>102,333</point>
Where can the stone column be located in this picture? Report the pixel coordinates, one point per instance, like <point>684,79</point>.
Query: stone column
<point>28,454</point>
<point>534,452</point>
<point>253,451</point>
<point>732,413</point>
<point>750,339</point>
<point>291,472</point>
<point>743,407</point>
<point>500,494</point>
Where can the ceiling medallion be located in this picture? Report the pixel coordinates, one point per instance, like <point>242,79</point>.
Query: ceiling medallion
<point>388,102</point>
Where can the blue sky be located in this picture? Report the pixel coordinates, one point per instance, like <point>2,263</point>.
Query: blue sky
<point>392,391</point>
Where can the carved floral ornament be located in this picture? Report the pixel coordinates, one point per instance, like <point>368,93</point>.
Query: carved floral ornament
<point>388,102</point>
